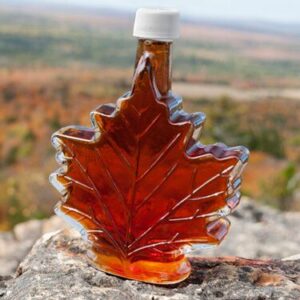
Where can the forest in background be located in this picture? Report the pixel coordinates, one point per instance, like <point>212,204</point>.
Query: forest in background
<point>57,65</point>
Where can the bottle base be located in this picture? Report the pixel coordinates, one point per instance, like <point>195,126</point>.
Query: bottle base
<point>154,272</point>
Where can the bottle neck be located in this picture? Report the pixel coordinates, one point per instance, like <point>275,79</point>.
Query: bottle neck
<point>161,61</point>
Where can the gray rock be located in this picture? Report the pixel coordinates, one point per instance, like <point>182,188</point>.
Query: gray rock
<point>56,268</point>
<point>15,245</point>
<point>31,230</point>
<point>259,232</point>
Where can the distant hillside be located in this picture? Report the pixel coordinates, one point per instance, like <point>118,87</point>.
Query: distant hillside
<point>33,35</point>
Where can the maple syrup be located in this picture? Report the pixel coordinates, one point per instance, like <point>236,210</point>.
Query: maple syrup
<point>160,54</point>
<point>139,185</point>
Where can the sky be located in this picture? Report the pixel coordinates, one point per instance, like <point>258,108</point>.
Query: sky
<point>287,11</point>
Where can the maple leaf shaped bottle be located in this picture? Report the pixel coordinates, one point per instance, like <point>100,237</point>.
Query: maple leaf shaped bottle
<point>138,184</point>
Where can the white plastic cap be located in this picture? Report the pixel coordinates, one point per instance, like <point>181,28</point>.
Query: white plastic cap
<point>160,24</point>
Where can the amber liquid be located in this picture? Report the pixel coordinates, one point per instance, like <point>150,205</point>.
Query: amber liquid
<point>160,56</point>
<point>140,186</point>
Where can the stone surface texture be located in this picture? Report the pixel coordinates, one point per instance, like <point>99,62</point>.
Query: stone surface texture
<point>15,245</point>
<point>56,267</point>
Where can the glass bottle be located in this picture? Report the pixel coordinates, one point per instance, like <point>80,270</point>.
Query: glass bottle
<point>138,185</point>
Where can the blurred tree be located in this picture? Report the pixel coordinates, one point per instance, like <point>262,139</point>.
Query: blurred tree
<point>9,92</point>
<point>265,139</point>
<point>280,191</point>
<point>55,123</point>
<point>64,91</point>
<point>230,124</point>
